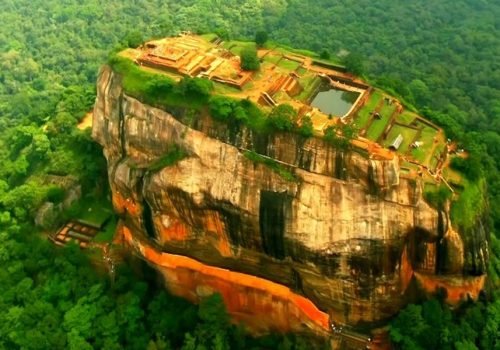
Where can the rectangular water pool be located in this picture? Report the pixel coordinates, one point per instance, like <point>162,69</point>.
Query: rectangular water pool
<point>333,101</point>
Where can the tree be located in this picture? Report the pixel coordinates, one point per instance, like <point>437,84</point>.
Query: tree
<point>324,54</point>
<point>195,87</point>
<point>221,108</point>
<point>306,127</point>
<point>419,91</point>
<point>159,86</point>
<point>261,38</point>
<point>471,166</point>
<point>214,326</point>
<point>134,39</point>
<point>283,117</point>
<point>228,110</point>
<point>340,136</point>
<point>353,63</point>
<point>223,33</point>
<point>249,59</point>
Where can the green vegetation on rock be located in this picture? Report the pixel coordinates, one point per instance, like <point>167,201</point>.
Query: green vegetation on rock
<point>175,155</point>
<point>437,195</point>
<point>160,90</point>
<point>340,136</point>
<point>278,168</point>
<point>283,117</point>
<point>469,204</point>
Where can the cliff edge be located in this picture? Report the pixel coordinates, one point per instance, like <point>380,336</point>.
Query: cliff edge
<point>291,231</point>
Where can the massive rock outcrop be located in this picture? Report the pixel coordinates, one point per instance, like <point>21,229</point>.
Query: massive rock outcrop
<point>341,236</point>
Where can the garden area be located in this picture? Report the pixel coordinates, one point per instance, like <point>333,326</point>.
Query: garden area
<point>237,46</point>
<point>364,114</point>
<point>406,117</point>
<point>288,65</point>
<point>423,153</point>
<point>378,126</point>
<point>407,133</point>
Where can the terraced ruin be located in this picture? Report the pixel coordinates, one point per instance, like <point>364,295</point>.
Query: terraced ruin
<point>288,76</point>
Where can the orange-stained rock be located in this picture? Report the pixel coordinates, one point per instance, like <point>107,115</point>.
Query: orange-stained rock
<point>265,304</point>
<point>172,229</point>
<point>457,288</point>
<point>406,271</point>
<point>214,224</point>
<point>124,205</point>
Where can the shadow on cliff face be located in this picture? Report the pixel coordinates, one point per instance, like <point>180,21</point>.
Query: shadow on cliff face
<point>439,254</point>
<point>274,208</point>
<point>421,247</point>
<point>328,263</point>
<point>340,166</point>
<point>147,219</point>
<point>373,188</point>
<point>370,261</point>
<point>476,240</point>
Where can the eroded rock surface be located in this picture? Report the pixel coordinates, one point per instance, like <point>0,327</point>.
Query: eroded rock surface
<point>349,233</point>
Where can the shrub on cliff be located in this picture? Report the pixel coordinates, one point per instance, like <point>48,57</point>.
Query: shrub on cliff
<point>174,155</point>
<point>195,87</point>
<point>278,168</point>
<point>159,86</point>
<point>306,128</point>
<point>340,136</point>
<point>227,110</point>
<point>437,197</point>
<point>283,117</point>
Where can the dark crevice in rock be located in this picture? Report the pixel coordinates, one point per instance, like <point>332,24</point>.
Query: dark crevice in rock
<point>297,282</point>
<point>184,206</point>
<point>340,166</point>
<point>417,242</point>
<point>373,258</point>
<point>236,227</point>
<point>441,246</point>
<point>147,219</point>
<point>260,142</point>
<point>121,131</point>
<point>234,129</point>
<point>300,159</point>
<point>305,159</point>
<point>373,188</point>
<point>272,217</point>
<point>147,213</point>
<point>232,219</point>
<point>122,127</point>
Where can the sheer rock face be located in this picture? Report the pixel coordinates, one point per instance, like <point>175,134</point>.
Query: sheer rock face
<point>349,233</point>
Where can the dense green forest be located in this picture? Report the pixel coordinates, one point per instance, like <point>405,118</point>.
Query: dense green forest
<point>439,56</point>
